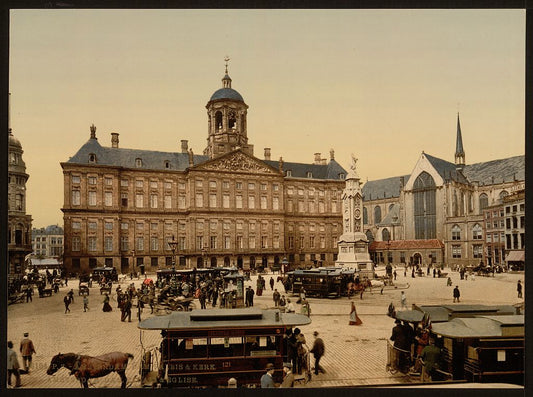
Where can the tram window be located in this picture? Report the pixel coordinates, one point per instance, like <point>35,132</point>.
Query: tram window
<point>226,347</point>
<point>262,345</point>
<point>188,348</point>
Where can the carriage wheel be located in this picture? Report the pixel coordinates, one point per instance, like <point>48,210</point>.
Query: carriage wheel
<point>180,308</point>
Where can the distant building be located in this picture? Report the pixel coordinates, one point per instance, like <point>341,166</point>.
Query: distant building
<point>47,242</point>
<point>226,207</point>
<point>515,231</point>
<point>19,223</point>
<point>440,201</point>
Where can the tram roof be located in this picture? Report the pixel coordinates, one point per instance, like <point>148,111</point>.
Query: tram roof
<point>440,313</point>
<point>223,318</point>
<point>481,327</point>
<point>201,270</point>
<point>329,271</point>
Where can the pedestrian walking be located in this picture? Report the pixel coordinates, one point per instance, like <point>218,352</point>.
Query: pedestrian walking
<point>456,293</point>
<point>26,351</point>
<point>29,294</point>
<point>66,301</point>
<point>354,318</point>
<point>402,345</point>
<point>203,298</point>
<point>271,283</point>
<point>107,307</point>
<point>71,295</point>
<point>140,305</point>
<point>266,380</point>
<point>276,296</point>
<point>85,303</point>
<point>519,288</point>
<point>434,272</point>
<point>395,274</point>
<point>318,351</point>
<point>403,300</point>
<point>12,365</point>
<point>288,376</point>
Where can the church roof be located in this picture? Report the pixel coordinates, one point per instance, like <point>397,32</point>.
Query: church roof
<point>383,188</point>
<point>119,157</point>
<point>318,171</point>
<point>393,217</point>
<point>448,171</point>
<point>503,170</point>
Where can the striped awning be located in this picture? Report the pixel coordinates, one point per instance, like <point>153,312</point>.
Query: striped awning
<point>515,256</point>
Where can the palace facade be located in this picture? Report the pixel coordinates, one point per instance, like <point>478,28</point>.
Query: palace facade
<point>122,207</point>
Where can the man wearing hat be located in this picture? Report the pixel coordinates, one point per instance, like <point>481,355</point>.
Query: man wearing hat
<point>266,380</point>
<point>288,380</point>
<point>26,350</point>
<point>318,351</point>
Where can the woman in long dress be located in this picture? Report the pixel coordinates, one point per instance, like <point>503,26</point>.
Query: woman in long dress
<point>107,306</point>
<point>354,318</point>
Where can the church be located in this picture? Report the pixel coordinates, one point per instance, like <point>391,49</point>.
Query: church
<point>137,209</point>
<point>436,215</point>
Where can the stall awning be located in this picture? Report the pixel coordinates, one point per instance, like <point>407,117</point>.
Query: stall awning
<point>515,256</point>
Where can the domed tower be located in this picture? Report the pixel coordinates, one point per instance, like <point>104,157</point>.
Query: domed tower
<point>19,224</point>
<point>226,115</point>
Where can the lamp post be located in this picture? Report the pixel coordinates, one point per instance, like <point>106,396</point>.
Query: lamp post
<point>133,260</point>
<point>173,246</point>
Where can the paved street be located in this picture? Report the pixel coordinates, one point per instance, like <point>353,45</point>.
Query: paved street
<point>355,355</point>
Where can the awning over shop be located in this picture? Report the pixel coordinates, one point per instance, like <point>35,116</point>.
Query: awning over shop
<point>515,256</point>
<point>47,262</point>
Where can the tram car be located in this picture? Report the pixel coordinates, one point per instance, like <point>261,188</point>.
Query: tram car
<point>323,282</point>
<point>110,273</point>
<point>205,348</point>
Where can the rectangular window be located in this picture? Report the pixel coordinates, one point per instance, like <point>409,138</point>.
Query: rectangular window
<point>199,183</point>
<point>199,199</point>
<point>251,202</point>
<point>181,185</point>
<point>275,242</point>
<point>402,257</point>
<point>312,209</point>
<point>333,206</point>
<point>153,200</point>
<point>239,242</point>
<point>263,186</point>
<point>76,179</point>
<point>109,181</point>
<point>477,251</point>
<point>199,242</point>
<point>311,242</point>
<point>181,242</point>
<point>76,243</point>
<point>225,185</point>
<point>263,202</point>
<point>456,251</point>
<point>140,244</point>
<point>275,187</point>
<point>75,225</point>
<point>108,199</point>
<point>302,242</point>
<point>212,184</point>
<point>322,242</point>
<point>251,242</point>
<point>154,243</point>
<point>212,200</point>
<point>92,225</point>
<point>251,186</point>
<point>275,203</point>
<point>289,206</point>
<point>301,206</point>
<point>139,200</point>
<point>91,180</point>
<point>238,201</point>
<point>124,226</point>
<point>91,243</point>
<point>108,243</point>
<point>252,226</point>
<point>213,242</point>
<point>124,182</point>
<point>124,243</point>
<point>181,201</point>
<point>291,242</point>
<point>238,185</point>
<point>124,199</point>
<point>489,238</point>
<point>167,185</point>
<point>153,184</point>
<point>75,197</point>
<point>225,200</point>
<point>139,183</point>
<point>168,201</point>
<point>227,242</point>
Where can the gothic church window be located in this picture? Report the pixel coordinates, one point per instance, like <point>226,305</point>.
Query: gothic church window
<point>385,235</point>
<point>218,120</point>
<point>377,214</point>
<point>477,233</point>
<point>424,192</point>
<point>232,119</point>
<point>503,194</point>
<point>483,202</point>
<point>456,232</point>
<point>369,236</point>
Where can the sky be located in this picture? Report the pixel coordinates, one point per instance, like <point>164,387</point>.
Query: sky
<point>384,85</point>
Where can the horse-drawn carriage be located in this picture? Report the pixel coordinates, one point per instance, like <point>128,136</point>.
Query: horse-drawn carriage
<point>106,288</point>
<point>174,303</point>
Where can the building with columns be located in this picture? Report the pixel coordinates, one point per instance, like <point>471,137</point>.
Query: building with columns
<point>19,223</point>
<point>223,207</point>
<point>436,214</point>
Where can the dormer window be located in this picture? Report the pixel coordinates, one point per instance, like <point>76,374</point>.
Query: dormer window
<point>342,176</point>
<point>92,158</point>
<point>289,173</point>
<point>138,162</point>
<point>167,164</point>
<point>309,174</point>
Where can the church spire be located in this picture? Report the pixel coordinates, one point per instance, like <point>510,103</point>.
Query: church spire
<point>226,80</point>
<point>459,151</point>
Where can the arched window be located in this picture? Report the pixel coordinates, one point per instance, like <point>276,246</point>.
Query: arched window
<point>477,232</point>
<point>424,192</point>
<point>483,202</point>
<point>232,120</point>
<point>138,162</point>
<point>456,232</point>
<point>369,236</point>
<point>503,194</point>
<point>167,164</point>
<point>92,158</point>
<point>391,207</point>
<point>218,120</point>
<point>377,214</point>
<point>385,235</point>
<point>365,216</point>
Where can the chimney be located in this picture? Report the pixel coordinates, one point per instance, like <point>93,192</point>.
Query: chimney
<point>114,139</point>
<point>184,145</point>
<point>317,158</point>
<point>331,154</point>
<point>267,153</point>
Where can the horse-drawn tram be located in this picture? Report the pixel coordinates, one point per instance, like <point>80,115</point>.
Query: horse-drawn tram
<point>205,348</point>
<point>329,282</point>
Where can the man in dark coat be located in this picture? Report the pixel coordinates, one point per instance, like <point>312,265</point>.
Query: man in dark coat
<point>276,296</point>
<point>401,342</point>
<point>292,349</point>
<point>271,283</point>
<point>456,293</point>
<point>318,351</point>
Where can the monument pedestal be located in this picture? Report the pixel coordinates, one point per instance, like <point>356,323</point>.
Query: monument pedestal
<point>353,254</point>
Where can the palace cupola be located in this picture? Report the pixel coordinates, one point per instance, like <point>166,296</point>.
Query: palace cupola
<point>226,115</point>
